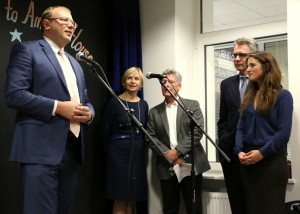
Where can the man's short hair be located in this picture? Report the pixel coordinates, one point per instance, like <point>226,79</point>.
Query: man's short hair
<point>175,73</point>
<point>252,44</point>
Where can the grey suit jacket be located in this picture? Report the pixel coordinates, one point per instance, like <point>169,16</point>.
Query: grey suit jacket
<point>158,128</point>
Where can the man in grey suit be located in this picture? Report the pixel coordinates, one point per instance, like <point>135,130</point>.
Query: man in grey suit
<point>167,125</point>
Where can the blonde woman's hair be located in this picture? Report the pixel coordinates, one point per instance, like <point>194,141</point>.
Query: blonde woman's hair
<point>131,70</point>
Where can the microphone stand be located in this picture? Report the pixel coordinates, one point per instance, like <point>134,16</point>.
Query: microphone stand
<point>193,123</point>
<point>134,122</point>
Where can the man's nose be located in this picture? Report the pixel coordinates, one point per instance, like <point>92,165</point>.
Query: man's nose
<point>237,58</point>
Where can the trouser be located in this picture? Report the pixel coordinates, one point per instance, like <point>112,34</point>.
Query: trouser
<point>50,189</point>
<point>171,194</point>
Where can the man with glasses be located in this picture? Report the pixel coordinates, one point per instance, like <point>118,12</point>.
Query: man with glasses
<point>167,125</point>
<point>47,88</point>
<point>232,91</point>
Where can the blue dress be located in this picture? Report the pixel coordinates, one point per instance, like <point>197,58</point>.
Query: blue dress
<point>117,143</point>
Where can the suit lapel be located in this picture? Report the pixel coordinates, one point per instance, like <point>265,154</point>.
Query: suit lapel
<point>53,59</point>
<point>234,90</point>
<point>164,118</point>
<point>180,113</point>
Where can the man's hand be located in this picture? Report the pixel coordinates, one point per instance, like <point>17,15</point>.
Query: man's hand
<point>82,114</point>
<point>178,161</point>
<point>73,111</point>
<point>172,154</point>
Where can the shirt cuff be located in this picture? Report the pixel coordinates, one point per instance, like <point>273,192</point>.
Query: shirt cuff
<point>54,107</point>
<point>90,121</point>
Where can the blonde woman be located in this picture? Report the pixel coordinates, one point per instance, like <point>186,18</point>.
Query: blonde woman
<point>118,134</point>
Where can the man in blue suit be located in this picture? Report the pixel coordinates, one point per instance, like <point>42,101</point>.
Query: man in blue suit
<point>48,91</point>
<point>230,101</point>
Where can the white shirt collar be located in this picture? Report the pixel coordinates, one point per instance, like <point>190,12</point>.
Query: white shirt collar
<point>243,76</point>
<point>52,44</point>
<point>173,104</point>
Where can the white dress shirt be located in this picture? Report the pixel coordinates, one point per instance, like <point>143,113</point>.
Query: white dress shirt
<point>171,110</point>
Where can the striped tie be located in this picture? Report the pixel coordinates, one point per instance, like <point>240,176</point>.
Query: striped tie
<point>244,83</point>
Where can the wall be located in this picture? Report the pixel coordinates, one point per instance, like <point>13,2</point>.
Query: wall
<point>170,40</point>
<point>293,191</point>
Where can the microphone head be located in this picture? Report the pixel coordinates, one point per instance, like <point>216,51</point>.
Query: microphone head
<point>148,75</point>
<point>78,55</point>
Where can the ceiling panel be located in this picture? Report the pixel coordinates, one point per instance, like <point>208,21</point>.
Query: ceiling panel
<point>237,13</point>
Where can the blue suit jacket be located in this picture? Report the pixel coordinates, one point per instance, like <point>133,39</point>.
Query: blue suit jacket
<point>34,81</point>
<point>229,115</point>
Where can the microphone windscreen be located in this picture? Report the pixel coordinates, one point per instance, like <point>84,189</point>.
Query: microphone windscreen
<point>78,55</point>
<point>148,75</point>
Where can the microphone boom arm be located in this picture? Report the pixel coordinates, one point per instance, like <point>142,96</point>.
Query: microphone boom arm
<point>137,123</point>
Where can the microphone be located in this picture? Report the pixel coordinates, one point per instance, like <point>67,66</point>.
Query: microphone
<point>81,57</point>
<point>158,76</point>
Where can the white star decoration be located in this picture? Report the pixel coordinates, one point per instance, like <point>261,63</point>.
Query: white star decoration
<point>15,35</point>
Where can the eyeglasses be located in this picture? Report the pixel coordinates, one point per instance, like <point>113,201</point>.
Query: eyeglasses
<point>65,20</point>
<point>241,55</point>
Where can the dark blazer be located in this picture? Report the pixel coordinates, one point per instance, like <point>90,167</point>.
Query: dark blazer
<point>34,81</point>
<point>158,128</point>
<point>229,115</point>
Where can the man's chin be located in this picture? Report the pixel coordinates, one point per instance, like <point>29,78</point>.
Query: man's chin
<point>240,68</point>
<point>167,94</point>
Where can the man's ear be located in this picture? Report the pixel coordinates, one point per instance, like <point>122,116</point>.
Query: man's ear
<point>45,24</point>
<point>180,86</point>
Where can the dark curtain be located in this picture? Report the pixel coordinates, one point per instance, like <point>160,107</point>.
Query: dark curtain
<point>126,47</point>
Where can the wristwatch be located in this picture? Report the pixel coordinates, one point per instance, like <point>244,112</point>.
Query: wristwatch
<point>179,153</point>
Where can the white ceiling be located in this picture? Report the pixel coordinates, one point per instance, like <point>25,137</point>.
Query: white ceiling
<point>237,13</point>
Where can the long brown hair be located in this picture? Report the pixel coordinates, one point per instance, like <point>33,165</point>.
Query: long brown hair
<point>267,92</point>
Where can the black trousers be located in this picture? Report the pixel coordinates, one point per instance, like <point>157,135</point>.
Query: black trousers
<point>234,185</point>
<point>171,189</point>
<point>265,184</point>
